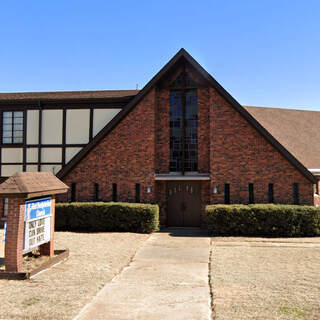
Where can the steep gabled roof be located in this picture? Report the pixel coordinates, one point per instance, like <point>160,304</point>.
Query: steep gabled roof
<point>183,54</point>
<point>297,130</point>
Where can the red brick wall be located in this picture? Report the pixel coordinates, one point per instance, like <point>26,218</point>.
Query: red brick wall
<point>230,149</point>
<point>126,156</point>
<point>240,155</point>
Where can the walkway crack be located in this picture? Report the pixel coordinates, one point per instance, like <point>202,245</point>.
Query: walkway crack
<point>213,315</point>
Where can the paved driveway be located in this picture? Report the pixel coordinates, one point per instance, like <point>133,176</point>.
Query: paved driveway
<point>167,279</point>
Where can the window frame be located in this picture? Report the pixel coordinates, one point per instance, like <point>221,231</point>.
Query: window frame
<point>227,193</point>
<point>295,189</point>
<point>5,208</point>
<point>270,193</point>
<point>251,193</point>
<point>13,129</point>
<point>138,193</point>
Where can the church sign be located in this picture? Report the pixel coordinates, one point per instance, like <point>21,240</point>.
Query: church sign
<point>37,222</point>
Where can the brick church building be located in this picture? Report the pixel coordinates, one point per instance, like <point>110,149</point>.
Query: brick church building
<point>182,142</point>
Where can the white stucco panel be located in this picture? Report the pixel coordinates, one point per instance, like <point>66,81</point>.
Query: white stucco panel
<point>11,155</point>
<point>51,155</point>
<point>33,126</point>
<point>9,170</point>
<point>77,129</point>
<point>52,126</point>
<point>101,117</point>
<point>71,152</point>
<point>32,168</point>
<point>50,168</point>
<point>32,155</point>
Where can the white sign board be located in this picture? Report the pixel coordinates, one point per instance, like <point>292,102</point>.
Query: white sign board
<point>37,223</point>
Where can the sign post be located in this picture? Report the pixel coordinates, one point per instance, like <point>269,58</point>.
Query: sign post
<point>31,209</point>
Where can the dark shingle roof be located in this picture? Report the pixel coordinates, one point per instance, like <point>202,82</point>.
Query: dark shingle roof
<point>297,130</point>
<point>67,95</point>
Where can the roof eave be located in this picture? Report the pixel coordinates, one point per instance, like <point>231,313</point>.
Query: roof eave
<point>184,54</point>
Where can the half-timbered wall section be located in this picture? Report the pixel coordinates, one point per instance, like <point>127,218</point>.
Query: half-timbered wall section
<point>44,134</point>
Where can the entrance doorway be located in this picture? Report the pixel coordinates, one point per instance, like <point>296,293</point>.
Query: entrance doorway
<point>183,204</point>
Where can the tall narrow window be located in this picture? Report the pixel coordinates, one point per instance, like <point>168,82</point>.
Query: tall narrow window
<point>183,125</point>
<point>12,127</point>
<point>114,193</point>
<point>96,192</point>
<point>5,207</point>
<point>251,193</point>
<point>270,193</point>
<point>137,192</point>
<point>295,193</point>
<point>73,192</point>
<point>227,193</point>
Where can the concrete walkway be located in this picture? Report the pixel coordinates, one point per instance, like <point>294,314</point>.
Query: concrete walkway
<point>167,279</point>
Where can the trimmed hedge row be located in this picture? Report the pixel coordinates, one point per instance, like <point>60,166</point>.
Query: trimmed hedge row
<point>111,216</point>
<point>263,220</point>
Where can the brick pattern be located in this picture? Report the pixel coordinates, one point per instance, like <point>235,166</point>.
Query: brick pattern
<point>14,237</point>
<point>230,149</point>
<point>240,155</point>
<point>126,156</point>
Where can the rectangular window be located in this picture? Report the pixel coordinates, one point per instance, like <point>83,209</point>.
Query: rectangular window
<point>73,192</point>
<point>96,192</point>
<point>251,193</point>
<point>114,193</point>
<point>5,207</point>
<point>227,193</point>
<point>295,193</point>
<point>12,127</point>
<point>183,130</point>
<point>270,193</point>
<point>137,192</point>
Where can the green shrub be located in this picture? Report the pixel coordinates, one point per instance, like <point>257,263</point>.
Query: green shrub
<point>112,216</point>
<point>263,220</point>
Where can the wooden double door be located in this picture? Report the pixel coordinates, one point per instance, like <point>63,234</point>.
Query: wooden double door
<point>183,204</point>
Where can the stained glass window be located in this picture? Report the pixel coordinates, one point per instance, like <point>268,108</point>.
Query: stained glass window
<point>189,131</point>
<point>176,131</point>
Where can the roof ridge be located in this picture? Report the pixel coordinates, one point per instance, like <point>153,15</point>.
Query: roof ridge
<point>182,53</point>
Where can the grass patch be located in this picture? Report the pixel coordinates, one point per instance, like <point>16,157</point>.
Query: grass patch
<point>292,311</point>
<point>30,301</point>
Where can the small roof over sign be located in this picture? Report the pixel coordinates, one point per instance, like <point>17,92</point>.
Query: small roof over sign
<point>31,184</point>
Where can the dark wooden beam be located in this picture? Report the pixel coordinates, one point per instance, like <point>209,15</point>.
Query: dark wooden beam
<point>91,124</point>
<point>39,136</point>
<point>64,135</point>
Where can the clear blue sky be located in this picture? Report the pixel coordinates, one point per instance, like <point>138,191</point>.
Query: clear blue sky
<point>264,52</point>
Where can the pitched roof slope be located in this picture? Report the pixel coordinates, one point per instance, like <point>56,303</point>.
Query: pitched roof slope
<point>297,130</point>
<point>24,184</point>
<point>54,95</point>
<point>183,54</point>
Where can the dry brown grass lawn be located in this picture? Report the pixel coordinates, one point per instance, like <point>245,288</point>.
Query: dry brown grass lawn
<point>61,292</point>
<point>269,279</point>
